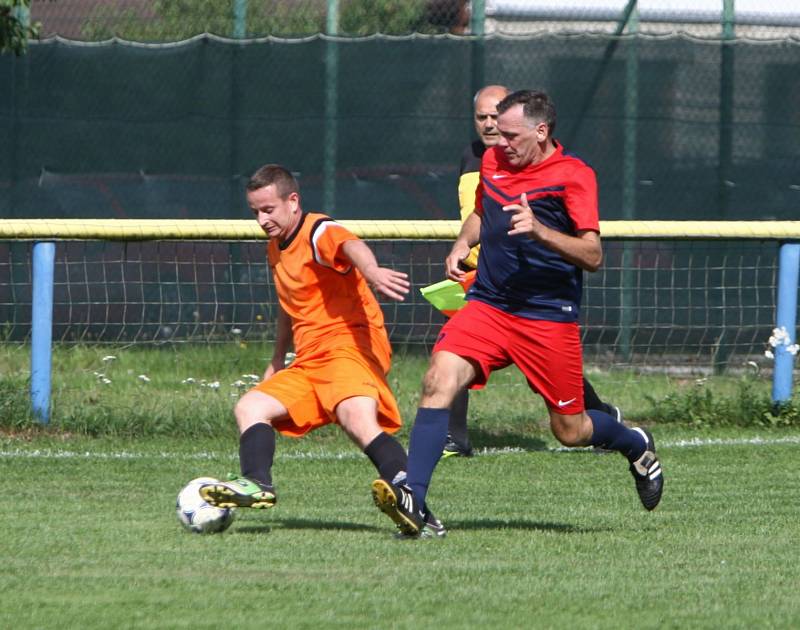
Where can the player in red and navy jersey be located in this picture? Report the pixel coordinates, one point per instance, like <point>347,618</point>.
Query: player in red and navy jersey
<point>485,119</point>
<point>537,223</point>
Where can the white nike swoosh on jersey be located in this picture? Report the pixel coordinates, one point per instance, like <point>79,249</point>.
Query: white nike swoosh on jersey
<point>496,176</point>
<point>564,403</point>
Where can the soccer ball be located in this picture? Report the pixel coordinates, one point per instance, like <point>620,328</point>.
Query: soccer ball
<point>198,516</point>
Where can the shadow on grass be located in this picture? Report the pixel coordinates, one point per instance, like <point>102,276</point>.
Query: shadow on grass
<point>523,524</point>
<point>470,525</point>
<point>300,523</point>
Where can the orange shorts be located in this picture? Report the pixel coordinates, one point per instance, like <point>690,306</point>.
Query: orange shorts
<point>311,388</point>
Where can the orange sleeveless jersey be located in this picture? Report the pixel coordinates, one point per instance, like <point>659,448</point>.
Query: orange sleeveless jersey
<point>325,296</point>
<point>337,325</point>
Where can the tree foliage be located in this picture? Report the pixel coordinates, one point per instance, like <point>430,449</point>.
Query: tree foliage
<point>365,17</point>
<point>174,20</point>
<point>15,31</point>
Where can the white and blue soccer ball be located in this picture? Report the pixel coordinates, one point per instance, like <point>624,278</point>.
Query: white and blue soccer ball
<point>198,516</point>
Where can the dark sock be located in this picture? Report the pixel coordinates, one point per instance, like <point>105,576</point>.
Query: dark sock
<point>590,398</point>
<point>256,451</point>
<point>387,455</point>
<point>457,426</point>
<point>615,436</point>
<point>428,437</point>
<point>592,401</point>
<point>611,410</point>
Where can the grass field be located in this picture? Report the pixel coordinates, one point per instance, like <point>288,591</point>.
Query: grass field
<point>539,537</point>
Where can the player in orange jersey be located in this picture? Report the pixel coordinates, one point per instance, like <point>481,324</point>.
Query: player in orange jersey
<point>322,274</point>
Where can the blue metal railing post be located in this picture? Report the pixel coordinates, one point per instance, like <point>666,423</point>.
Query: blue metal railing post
<point>788,273</point>
<point>44,255</point>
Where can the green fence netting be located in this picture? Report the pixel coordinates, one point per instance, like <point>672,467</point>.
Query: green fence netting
<point>675,127</point>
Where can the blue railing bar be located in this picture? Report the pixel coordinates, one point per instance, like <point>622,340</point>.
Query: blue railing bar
<point>788,273</point>
<point>44,255</point>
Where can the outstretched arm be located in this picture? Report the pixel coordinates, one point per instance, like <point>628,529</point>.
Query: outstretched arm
<point>393,284</point>
<point>583,250</point>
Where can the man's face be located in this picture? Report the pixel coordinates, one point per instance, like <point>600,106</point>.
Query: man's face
<point>277,217</point>
<point>521,140</point>
<point>486,118</point>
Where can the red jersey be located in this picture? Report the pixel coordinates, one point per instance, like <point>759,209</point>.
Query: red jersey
<point>515,273</point>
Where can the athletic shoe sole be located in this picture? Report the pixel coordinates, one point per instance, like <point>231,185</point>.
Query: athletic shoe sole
<point>223,496</point>
<point>425,533</point>
<point>386,500</point>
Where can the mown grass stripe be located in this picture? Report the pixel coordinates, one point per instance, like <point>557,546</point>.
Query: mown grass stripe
<point>354,454</point>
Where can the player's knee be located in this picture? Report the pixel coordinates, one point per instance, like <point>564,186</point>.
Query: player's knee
<point>247,414</point>
<point>569,430</point>
<point>567,437</point>
<point>439,383</point>
<point>353,423</point>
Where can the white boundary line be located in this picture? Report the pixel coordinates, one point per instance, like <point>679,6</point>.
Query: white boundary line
<point>354,454</point>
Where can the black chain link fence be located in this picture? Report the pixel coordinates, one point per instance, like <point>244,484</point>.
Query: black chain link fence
<point>676,128</point>
<point>684,113</point>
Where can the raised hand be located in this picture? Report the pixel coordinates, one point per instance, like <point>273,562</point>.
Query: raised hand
<point>523,220</point>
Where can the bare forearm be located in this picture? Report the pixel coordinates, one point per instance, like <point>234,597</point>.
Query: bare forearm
<point>470,232</point>
<point>362,257</point>
<point>584,251</point>
<point>392,284</point>
<point>283,341</point>
<point>283,335</point>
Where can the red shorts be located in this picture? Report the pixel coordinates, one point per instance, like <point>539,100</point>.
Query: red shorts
<point>548,353</point>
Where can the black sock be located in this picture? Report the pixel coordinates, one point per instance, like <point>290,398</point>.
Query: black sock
<point>387,455</point>
<point>256,450</point>
<point>590,398</point>
<point>457,425</point>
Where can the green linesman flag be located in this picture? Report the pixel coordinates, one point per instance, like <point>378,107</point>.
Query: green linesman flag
<point>448,295</point>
